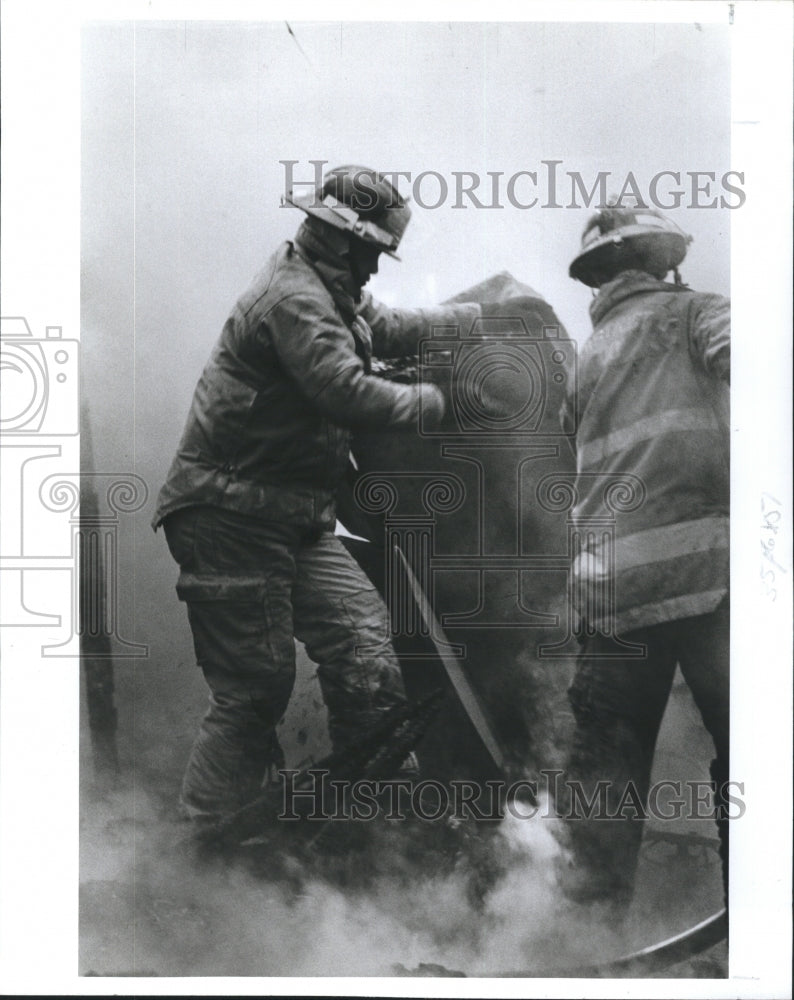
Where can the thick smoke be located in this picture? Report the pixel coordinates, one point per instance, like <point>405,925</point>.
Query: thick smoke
<point>149,908</point>
<point>402,898</point>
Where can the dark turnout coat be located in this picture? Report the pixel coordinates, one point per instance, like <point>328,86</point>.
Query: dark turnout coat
<point>268,428</point>
<point>652,410</point>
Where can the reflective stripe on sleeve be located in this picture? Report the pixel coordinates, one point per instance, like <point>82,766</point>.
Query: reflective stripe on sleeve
<point>663,573</point>
<point>590,453</point>
<point>670,541</point>
<point>671,609</point>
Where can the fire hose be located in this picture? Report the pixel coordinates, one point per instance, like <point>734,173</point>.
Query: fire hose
<point>644,962</point>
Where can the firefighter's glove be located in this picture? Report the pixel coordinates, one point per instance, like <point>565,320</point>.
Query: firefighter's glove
<point>432,405</point>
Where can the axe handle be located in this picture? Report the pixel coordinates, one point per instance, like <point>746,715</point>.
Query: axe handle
<point>460,682</point>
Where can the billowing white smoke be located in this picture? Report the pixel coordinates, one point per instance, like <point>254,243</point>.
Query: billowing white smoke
<point>148,908</point>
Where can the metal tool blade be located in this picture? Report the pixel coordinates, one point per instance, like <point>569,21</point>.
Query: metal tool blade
<point>460,681</point>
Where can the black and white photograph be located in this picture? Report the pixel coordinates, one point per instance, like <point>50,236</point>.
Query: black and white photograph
<point>396,542</point>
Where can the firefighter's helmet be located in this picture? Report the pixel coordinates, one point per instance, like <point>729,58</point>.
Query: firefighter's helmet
<point>616,239</point>
<point>359,201</point>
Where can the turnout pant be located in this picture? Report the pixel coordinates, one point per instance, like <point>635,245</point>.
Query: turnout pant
<point>250,587</point>
<point>618,705</point>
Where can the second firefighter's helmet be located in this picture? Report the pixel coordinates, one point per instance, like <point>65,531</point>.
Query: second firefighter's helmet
<point>359,201</point>
<point>616,239</point>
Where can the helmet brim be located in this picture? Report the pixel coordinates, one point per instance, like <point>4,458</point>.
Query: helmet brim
<point>602,251</point>
<point>342,217</point>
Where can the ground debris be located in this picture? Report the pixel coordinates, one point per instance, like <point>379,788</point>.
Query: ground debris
<point>428,969</point>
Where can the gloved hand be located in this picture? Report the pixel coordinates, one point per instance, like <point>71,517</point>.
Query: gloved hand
<point>432,405</point>
<point>467,315</point>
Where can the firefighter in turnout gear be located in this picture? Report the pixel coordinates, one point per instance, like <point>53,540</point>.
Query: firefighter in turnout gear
<point>248,506</point>
<point>651,407</point>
